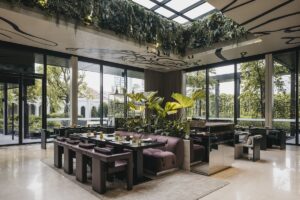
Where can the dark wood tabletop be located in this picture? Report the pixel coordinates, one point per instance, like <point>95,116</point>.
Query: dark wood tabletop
<point>135,147</point>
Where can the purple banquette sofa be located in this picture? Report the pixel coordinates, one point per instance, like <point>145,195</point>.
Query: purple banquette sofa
<point>160,159</point>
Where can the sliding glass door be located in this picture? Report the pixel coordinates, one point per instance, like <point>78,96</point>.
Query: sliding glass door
<point>9,114</point>
<point>284,94</point>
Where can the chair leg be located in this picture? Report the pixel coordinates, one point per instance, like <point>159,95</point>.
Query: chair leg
<point>98,176</point>
<point>57,156</point>
<point>129,174</point>
<point>81,167</point>
<point>68,161</point>
<point>256,153</point>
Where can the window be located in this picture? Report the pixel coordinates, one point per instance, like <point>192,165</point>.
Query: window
<point>135,81</point>
<point>179,10</point>
<point>113,94</point>
<point>82,111</point>
<point>196,81</point>
<point>89,82</point>
<point>58,92</point>
<point>284,97</point>
<point>221,93</point>
<point>251,97</point>
<point>135,84</point>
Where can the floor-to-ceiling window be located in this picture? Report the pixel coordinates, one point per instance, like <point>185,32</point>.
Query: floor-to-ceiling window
<point>251,96</point>
<point>89,101</point>
<point>114,91</point>
<point>221,93</point>
<point>58,92</point>
<point>135,84</point>
<point>284,97</point>
<point>196,81</point>
<point>12,133</point>
<point>33,93</point>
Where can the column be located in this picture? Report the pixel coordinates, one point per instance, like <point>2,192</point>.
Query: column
<point>74,89</point>
<point>269,90</point>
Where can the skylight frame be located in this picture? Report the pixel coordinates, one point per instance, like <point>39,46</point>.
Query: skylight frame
<point>165,8</point>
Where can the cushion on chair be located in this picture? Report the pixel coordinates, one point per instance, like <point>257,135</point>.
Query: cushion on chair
<point>86,145</point>
<point>106,151</point>
<point>61,139</point>
<point>73,142</point>
<point>157,160</point>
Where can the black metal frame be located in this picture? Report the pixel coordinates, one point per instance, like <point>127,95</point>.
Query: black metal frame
<point>163,4</point>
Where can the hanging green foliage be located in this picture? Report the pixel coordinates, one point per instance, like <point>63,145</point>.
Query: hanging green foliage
<point>129,19</point>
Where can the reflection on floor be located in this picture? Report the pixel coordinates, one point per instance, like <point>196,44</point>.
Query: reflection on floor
<point>292,140</point>
<point>24,176</point>
<point>8,140</point>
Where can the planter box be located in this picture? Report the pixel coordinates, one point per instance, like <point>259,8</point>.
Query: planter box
<point>187,155</point>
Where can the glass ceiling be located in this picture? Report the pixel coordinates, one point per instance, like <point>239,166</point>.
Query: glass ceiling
<point>181,11</point>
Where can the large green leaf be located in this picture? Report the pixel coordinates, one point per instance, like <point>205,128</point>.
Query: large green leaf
<point>137,97</point>
<point>172,108</point>
<point>148,96</point>
<point>132,106</point>
<point>184,101</point>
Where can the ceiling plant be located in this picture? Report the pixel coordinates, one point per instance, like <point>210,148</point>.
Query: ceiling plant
<point>129,19</point>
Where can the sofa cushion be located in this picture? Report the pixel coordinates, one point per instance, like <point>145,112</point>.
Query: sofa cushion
<point>106,151</point>
<point>157,160</point>
<point>86,145</point>
<point>72,142</point>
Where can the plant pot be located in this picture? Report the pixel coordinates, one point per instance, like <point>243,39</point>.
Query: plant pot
<point>186,155</point>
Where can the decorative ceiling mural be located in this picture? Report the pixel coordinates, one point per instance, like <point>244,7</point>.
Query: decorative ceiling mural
<point>147,58</point>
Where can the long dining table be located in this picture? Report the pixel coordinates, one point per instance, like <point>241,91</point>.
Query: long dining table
<point>137,150</point>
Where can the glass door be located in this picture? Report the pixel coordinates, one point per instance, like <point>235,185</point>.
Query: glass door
<point>9,117</point>
<point>28,115</point>
<point>32,111</point>
<point>284,94</point>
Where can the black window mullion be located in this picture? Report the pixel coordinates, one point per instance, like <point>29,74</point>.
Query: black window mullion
<point>235,94</point>
<point>207,93</point>
<point>101,95</point>
<point>125,96</point>
<point>44,93</point>
<point>297,97</point>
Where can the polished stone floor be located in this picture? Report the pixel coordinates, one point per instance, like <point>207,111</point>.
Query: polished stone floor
<point>24,176</point>
<point>9,140</point>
